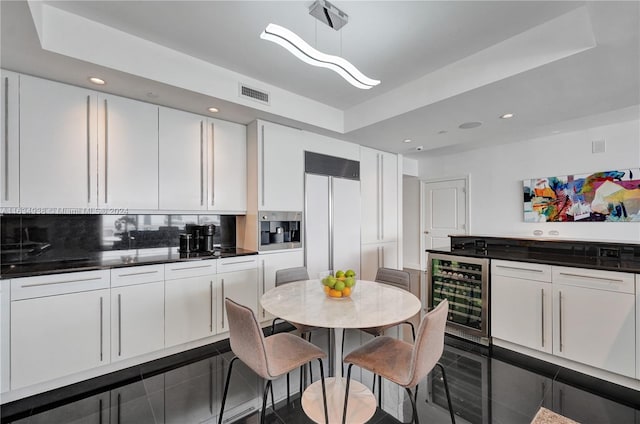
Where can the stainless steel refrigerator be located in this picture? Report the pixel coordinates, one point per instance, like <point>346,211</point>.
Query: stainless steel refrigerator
<point>332,214</point>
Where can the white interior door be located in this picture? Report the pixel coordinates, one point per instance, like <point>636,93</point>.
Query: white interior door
<point>444,211</point>
<point>346,224</point>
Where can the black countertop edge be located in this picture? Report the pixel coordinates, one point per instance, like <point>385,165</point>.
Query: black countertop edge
<point>99,261</point>
<point>599,263</point>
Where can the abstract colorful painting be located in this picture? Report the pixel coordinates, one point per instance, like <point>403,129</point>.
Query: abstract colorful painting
<point>612,196</point>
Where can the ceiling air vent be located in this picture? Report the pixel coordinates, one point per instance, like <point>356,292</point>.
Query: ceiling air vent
<point>253,94</point>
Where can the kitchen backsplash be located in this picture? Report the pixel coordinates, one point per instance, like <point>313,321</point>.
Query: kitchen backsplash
<point>44,238</point>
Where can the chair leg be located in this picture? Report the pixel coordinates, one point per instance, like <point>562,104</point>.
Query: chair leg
<point>380,391</point>
<point>264,400</point>
<point>310,367</point>
<point>273,404</point>
<point>324,393</point>
<point>226,389</point>
<point>446,389</point>
<point>288,387</point>
<point>346,395</point>
<point>414,411</point>
<point>413,331</point>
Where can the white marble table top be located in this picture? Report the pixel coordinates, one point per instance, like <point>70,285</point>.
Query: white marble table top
<point>371,305</point>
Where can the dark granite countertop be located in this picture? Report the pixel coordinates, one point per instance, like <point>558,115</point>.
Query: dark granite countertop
<point>108,260</point>
<point>609,256</point>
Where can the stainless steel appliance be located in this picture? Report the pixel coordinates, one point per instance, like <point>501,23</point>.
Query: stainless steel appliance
<point>464,282</point>
<point>279,230</point>
<point>201,238</point>
<point>332,214</point>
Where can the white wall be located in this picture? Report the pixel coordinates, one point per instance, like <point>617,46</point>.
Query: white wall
<point>496,174</point>
<point>411,222</point>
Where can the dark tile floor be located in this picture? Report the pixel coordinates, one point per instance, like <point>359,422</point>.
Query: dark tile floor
<point>487,387</point>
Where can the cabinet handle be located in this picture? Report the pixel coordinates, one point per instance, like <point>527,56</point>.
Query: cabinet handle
<point>106,151</point>
<point>101,328</point>
<point>263,286</point>
<point>589,277</point>
<point>191,267</point>
<point>262,164</point>
<point>201,163</point>
<point>213,167</point>
<point>119,324</point>
<point>138,273</point>
<point>88,149</point>
<point>223,309</point>
<point>238,262</point>
<point>518,268</point>
<point>61,282</point>
<point>210,387</point>
<point>6,138</point>
<point>100,411</point>
<point>211,306</point>
<point>542,314</point>
<point>560,317</point>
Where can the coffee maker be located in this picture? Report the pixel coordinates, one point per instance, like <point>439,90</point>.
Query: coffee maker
<point>197,238</point>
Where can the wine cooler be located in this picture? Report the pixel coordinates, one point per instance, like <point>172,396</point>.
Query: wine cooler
<point>464,282</point>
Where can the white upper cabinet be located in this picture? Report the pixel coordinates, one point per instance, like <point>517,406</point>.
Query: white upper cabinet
<point>275,156</point>
<point>9,150</point>
<point>58,141</point>
<point>228,166</point>
<point>128,153</point>
<point>182,160</point>
<point>379,191</point>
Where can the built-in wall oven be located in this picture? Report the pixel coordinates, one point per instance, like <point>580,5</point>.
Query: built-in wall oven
<point>464,282</point>
<point>279,230</point>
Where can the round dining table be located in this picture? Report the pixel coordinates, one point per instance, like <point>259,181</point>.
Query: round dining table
<point>371,304</point>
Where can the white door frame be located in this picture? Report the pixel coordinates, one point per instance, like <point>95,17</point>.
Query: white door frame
<point>467,180</point>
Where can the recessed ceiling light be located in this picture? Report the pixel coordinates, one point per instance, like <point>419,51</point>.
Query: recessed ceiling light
<point>442,132</point>
<point>97,80</point>
<point>407,140</point>
<point>555,132</point>
<point>506,116</point>
<point>469,125</point>
<point>213,110</point>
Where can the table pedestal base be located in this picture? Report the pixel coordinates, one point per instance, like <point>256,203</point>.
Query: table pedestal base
<point>361,405</point>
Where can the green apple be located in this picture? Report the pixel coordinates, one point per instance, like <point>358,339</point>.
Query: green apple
<point>339,285</point>
<point>339,273</point>
<point>349,281</point>
<point>350,273</point>
<point>331,281</point>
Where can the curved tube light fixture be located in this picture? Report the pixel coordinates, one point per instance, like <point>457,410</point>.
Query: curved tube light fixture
<point>303,51</point>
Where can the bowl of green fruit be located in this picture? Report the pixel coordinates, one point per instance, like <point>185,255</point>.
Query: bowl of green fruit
<point>340,285</point>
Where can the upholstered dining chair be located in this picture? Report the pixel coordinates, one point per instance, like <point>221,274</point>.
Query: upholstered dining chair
<point>404,363</point>
<point>269,357</point>
<point>402,280</point>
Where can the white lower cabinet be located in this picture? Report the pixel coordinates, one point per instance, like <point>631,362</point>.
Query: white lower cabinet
<point>190,301</point>
<point>374,256</point>
<point>594,325</point>
<point>59,326</point>
<point>137,311</point>
<point>237,280</point>
<point>239,286</point>
<point>521,304</point>
<point>268,264</point>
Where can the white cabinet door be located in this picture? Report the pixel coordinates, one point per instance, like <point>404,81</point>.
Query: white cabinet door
<point>595,327</point>
<point>521,312</point>
<point>280,168</point>
<point>9,153</point>
<point>379,191</point>
<point>58,142</point>
<point>240,286</point>
<point>190,309</point>
<point>182,160</point>
<point>137,319</point>
<point>56,336</point>
<point>374,256</point>
<point>228,167</point>
<point>128,153</point>
<point>268,265</point>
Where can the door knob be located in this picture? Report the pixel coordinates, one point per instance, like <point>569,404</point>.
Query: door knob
<point>426,232</point>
